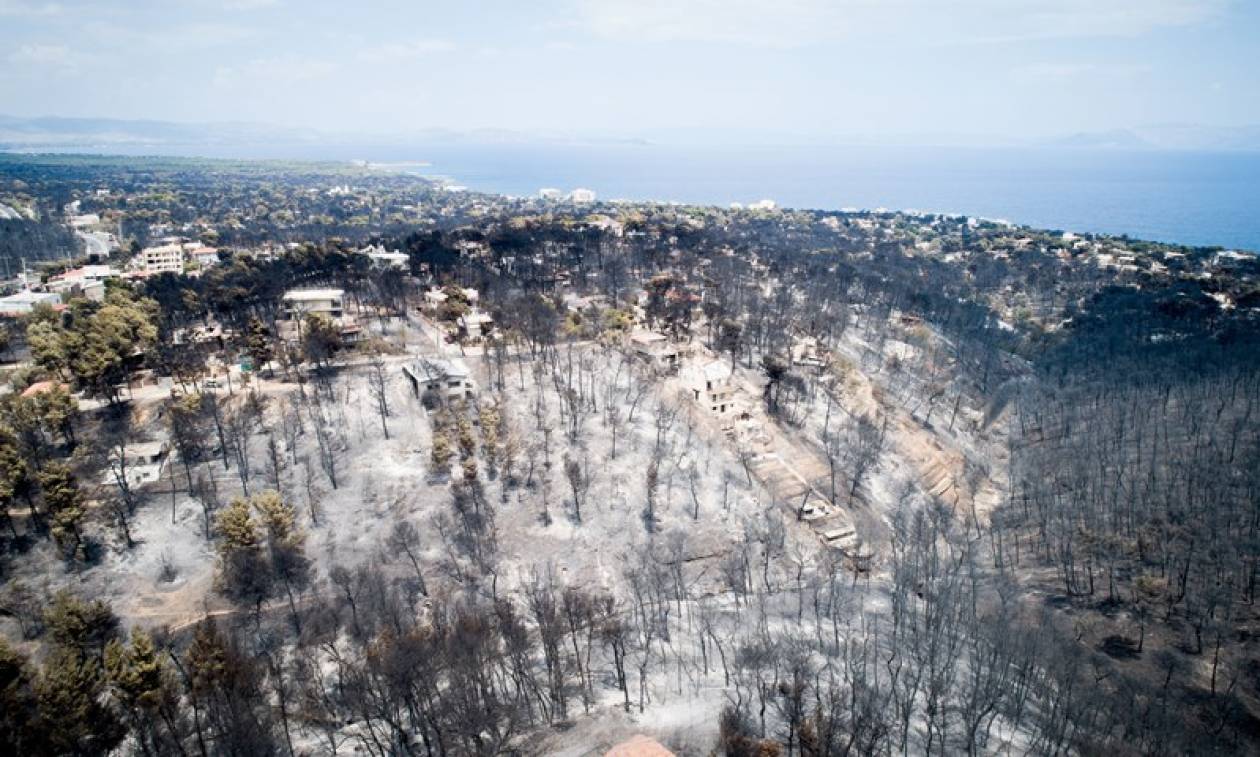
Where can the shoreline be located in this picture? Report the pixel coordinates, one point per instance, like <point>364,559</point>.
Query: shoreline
<point>1187,213</point>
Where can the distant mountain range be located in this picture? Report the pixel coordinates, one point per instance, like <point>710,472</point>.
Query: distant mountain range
<point>54,134</point>
<point>83,133</point>
<point>103,134</point>
<point>1169,137</point>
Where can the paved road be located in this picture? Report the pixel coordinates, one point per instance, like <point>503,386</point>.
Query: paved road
<point>96,242</point>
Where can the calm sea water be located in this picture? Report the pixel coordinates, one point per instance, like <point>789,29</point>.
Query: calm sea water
<point>1194,198</point>
<point>1188,198</point>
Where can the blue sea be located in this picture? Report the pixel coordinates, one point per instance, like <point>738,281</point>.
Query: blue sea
<point>1193,198</point>
<point>1182,197</point>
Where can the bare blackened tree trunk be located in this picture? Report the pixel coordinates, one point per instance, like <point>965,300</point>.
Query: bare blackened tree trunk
<point>579,612</point>
<point>324,440</point>
<point>651,492</point>
<point>206,492</point>
<point>615,635</point>
<point>550,623</point>
<point>216,414</point>
<point>378,385</point>
<point>579,477</point>
<point>865,443</point>
<point>241,425</point>
<point>404,538</point>
<point>275,462</point>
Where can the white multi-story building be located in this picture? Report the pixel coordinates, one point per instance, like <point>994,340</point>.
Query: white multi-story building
<point>711,387</point>
<point>582,196</point>
<point>167,258</point>
<point>448,379</point>
<point>299,302</point>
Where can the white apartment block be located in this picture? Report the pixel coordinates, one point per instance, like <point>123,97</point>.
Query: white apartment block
<point>167,258</point>
<point>299,302</point>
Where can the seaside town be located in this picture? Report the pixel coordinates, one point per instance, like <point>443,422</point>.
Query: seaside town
<point>443,472</point>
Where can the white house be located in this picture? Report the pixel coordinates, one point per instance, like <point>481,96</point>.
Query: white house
<point>606,224</point>
<point>88,281</point>
<point>26,300</point>
<point>204,256</point>
<point>382,258</point>
<point>710,385</point>
<point>433,298</point>
<point>655,349</point>
<point>299,302</point>
<point>67,288</point>
<point>142,464</point>
<point>806,353</point>
<point>475,323</point>
<point>449,379</point>
<point>574,303</point>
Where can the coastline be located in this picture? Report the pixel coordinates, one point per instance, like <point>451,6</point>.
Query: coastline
<point>1193,199</point>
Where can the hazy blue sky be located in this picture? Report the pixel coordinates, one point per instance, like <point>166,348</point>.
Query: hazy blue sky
<point>1009,67</point>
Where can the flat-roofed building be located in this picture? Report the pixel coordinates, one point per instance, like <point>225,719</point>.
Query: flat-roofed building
<point>447,379</point>
<point>166,258</point>
<point>433,298</point>
<point>25,301</point>
<point>204,256</point>
<point>475,324</point>
<point>655,349</point>
<point>382,258</point>
<point>87,281</point>
<point>299,302</point>
<point>140,463</point>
